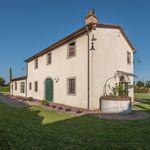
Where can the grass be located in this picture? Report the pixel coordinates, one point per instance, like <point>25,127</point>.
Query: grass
<point>34,128</point>
<point>142,95</point>
<point>4,89</point>
<point>145,99</point>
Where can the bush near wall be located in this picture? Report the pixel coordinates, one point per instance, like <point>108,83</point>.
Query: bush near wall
<point>4,89</point>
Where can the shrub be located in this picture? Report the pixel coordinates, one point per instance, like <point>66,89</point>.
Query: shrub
<point>30,98</point>
<point>79,111</point>
<point>141,89</point>
<point>68,109</point>
<point>53,106</point>
<point>44,102</point>
<point>60,108</point>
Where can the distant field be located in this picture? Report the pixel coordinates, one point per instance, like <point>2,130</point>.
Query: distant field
<point>4,89</point>
<point>142,95</point>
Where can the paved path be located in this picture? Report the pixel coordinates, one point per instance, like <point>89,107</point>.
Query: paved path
<point>11,102</point>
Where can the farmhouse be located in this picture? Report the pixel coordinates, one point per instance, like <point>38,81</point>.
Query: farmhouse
<point>80,68</point>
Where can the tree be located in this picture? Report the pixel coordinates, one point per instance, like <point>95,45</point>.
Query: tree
<point>2,82</point>
<point>148,84</point>
<point>140,84</point>
<point>10,74</point>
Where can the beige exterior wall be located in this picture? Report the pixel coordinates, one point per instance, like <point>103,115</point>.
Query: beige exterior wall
<point>109,56</point>
<point>62,68</point>
<point>17,92</point>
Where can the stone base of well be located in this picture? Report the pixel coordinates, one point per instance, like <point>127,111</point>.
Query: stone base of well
<point>115,105</point>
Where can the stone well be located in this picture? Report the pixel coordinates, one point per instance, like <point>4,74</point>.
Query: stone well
<point>115,105</point>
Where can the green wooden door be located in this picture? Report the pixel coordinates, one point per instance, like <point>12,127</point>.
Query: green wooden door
<point>49,90</point>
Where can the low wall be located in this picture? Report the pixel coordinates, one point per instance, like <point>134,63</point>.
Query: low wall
<point>116,106</point>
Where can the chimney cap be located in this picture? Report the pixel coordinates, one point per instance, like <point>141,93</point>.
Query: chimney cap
<point>91,17</point>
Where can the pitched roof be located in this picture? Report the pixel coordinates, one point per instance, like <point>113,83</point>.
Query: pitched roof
<point>19,78</point>
<point>110,26</point>
<point>76,34</point>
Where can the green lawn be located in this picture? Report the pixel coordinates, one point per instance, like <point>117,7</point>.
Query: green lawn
<point>145,98</point>
<point>39,129</point>
<point>142,95</point>
<point>4,89</point>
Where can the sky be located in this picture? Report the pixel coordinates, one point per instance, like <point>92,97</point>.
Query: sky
<point>28,26</point>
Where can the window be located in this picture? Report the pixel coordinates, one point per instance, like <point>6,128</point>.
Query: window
<point>36,86</point>
<point>30,86</point>
<point>128,57</point>
<point>22,87</point>
<point>15,85</point>
<point>72,86</point>
<point>36,64</point>
<point>72,49</point>
<point>49,58</point>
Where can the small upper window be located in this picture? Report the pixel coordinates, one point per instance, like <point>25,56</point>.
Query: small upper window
<point>15,85</point>
<point>36,64</point>
<point>22,87</point>
<point>128,57</point>
<point>36,86</point>
<point>30,86</point>
<point>72,49</point>
<point>49,58</point>
<point>72,86</point>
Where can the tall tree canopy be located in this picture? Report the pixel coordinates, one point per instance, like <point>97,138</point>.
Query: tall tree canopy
<point>2,82</point>
<point>148,84</point>
<point>140,84</point>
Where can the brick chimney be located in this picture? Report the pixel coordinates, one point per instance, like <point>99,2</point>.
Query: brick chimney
<point>91,17</point>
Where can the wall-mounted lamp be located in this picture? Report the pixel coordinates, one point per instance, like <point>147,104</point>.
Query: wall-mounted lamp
<point>92,44</point>
<point>56,79</point>
<point>138,60</point>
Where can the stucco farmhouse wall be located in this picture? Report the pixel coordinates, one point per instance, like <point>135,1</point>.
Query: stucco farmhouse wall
<point>62,68</point>
<point>17,91</point>
<point>110,55</point>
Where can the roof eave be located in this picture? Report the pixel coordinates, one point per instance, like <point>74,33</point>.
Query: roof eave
<point>19,78</point>
<point>71,36</point>
<point>77,33</point>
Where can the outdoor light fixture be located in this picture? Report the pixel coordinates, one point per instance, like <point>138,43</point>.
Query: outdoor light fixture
<point>92,44</point>
<point>138,60</point>
<point>56,79</point>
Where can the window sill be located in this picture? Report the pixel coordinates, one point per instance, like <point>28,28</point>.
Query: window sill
<point>72,94</point>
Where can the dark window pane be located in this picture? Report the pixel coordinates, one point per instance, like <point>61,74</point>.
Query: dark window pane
<point>15,85</point>
<point>72,49</point>
<point>22,87</point>
<point>128,58</point>
<point>30,86</point>
<point>49,58</point>
<point>36,86</point>
<point>36,63</point>
<point>71,86</point>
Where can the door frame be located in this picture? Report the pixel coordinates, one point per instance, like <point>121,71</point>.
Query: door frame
<point>48,78</point>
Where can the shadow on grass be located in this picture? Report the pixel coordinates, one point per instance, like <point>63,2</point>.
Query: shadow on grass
<point>36,128</point>
<point>146,101</point>
<point>143,108</point>
<point>144,105</point>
